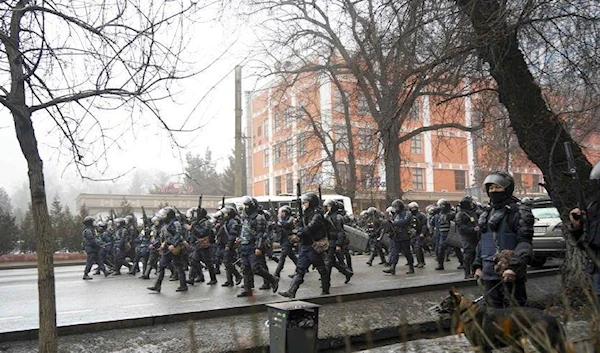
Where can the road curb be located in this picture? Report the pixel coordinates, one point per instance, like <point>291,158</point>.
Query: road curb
<point>260,308</point>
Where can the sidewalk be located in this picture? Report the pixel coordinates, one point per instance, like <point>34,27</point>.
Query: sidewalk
<point>363,323</point>
<point>32,264</point>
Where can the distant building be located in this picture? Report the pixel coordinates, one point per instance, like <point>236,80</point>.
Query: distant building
<point>101,204</point>
<point>284,148</point>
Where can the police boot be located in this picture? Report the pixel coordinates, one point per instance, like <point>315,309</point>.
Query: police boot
<point>266,285</point>
<point>440,266</point>
<point>182,282</point>
<point>238,277</point>
<point>213,276</point>
<point>291,292</point>
<point>348,273</point>
<point>325,280</point>
<point>468,273</point>
<point>106,273</point>
<point>246,293</point>
<point>391,270</point>
<point>229,281</point>
<point>97,271</point>
<point>279,268</point>
<point>411,269</point>
<point>86,277</point>
<point>156,286</point>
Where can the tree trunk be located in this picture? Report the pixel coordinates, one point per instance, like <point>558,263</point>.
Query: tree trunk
<point>16,102</point>
<point>539,131</point>
<point>47,340</point>
<point>391,154</point>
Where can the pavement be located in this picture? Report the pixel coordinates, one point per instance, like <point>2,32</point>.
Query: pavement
<point>372,308</point>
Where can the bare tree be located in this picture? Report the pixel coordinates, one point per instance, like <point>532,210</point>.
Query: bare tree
<point>66,62</point>
<point>394,52</point>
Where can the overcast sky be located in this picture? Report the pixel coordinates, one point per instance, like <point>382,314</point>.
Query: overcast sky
<point>151,148</point>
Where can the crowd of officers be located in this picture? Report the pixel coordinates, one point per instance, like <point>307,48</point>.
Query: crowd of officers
<point>232,239</point>
<point>237,241</point>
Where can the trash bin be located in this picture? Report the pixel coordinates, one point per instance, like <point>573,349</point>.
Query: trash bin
<point>293,327</point>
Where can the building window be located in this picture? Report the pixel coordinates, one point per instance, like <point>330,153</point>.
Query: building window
<point>301,144</point>
<point>266,128</point>
<point>338,103</point>
<point>460,180</point>
<point>518,181</point>
<point>259,131</point>
<point>276,121</point>
<point>363,106</point>
<point>289,183</point>
<point>267,155</point>
<point>277,185</point>
<point>276,154</point>
<point>267,191</point>
<point>288,116</point>
<point>365,140</point>
<point>536,183</point>
<point>341,136</point>
<point>415,111</point>
<point>289,149</point>
<point>416,145</point>
<point>366,175</point>
<point>344,173</point>
<point>418,179</point>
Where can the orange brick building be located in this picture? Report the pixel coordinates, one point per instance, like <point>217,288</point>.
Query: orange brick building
<point>299,132</point>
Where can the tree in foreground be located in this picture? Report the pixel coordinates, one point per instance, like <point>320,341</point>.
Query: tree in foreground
<point>64,63</point>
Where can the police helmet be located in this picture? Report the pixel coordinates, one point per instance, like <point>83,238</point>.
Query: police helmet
<point>88,221</point>
<point>167,213</point>
<point>119,222</point>
<point>285,209</point>
<point>398,205</point>
<point>228,212</point>
<point>413,206</point>
<point>154,220</point>
<point>467,203</point>
<point>364,213</point>
<point>430,209</point>
<point>332,204</point>
<point>340,206</point>
<point>191,212</point>
<point>128,220</point>
<point>503,179</point>
<point>249,204</point>
<point>390,210</point>
<point>311,198</point>
<point>372,211</point>
<point>102,224</point>
<point>443,203</point>
<point>595,173</point>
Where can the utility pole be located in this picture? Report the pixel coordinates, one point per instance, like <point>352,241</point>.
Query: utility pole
<point>239,179</point>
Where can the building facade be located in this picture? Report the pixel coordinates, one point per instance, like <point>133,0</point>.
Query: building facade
<point>305,130</point>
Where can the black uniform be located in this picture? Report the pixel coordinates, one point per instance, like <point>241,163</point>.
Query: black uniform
<point>312,233</point>
<point>336,234</point>
<point>252,236</point>
<point>284,228</point>
<point>202,240</point>
<point>92,248</point>
<point>467,222</point>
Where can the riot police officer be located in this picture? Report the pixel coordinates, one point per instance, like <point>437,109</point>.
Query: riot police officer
<point>401,221</point>
<point>231,228</point>
<point>91,247</point>
<point>252,237</point>
<point>202,237</point>
<point>119,245</point>
<point>468,228</point>
<point>419,230</point>
<point>442,222</point>
<point>334,224</point>
<point>171,249</point>
<point>505,248</point>
<point>313,245</point>
<point>373,225</point>
<point>153,247</point>
<point>284,228</point>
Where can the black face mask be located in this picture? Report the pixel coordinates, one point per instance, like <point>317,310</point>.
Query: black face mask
<point>414,212</point>
<point>497,197</point>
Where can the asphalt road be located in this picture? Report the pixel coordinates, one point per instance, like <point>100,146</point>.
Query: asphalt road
<point>126,297</point>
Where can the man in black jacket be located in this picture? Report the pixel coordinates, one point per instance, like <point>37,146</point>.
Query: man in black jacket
<point>313,245</point>
<point>467,221</point>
